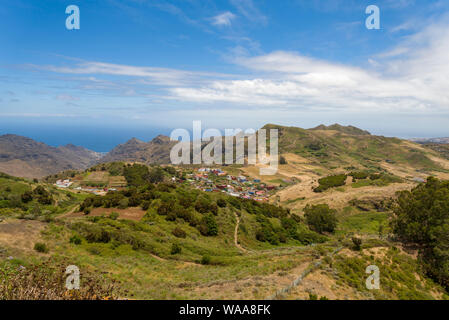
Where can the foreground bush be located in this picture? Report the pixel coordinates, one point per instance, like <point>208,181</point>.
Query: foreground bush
<point>46,281</point>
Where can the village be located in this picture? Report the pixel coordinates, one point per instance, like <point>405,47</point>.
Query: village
<point>68,184</point>
<point>204,179</point>
<point>217,180</point>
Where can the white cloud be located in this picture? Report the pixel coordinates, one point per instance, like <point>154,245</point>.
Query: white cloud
<point>413,77</point>
<point>224,19</point>
<point>248,9</point>
<point>152,75</point>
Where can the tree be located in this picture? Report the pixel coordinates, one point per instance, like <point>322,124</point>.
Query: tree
<point>208,226</point>
<point>136,175</point>
<point>421,216</point>
<point>156,175</point>
<point>320,218</point>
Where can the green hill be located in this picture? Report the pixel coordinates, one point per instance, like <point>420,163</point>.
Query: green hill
<point>339,146</point>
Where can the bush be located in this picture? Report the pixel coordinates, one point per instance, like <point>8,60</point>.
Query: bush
<point>358,175</point>
<point>27,197</point>
<point>123,204</point>
<point>114,215</point>
<point>330,182</point>
<point>375,176</point>
<point>146,205</point>
<point>41,247</point>
<point>179,233</point>
<point>282,160</point>
<point>320,218</point>
<point>75,239</point>
<point>208,226</point>
<point>357,243</point>
<point>221,203</point>
<point>175,248</point>
<point>206,259</point>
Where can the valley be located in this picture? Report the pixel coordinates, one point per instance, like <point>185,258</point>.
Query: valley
<point>156,231</point>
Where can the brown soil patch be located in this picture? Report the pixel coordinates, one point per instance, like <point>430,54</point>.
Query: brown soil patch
<point>255,287</point>
<point>337,199</point>
<point>20,235</point>
<point>134,213</point>
<point>323,284</point>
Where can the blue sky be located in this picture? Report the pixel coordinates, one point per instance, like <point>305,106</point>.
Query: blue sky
<point>139,66</point>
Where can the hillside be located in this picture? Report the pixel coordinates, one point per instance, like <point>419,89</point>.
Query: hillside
<point>24,157</point>
<point>329,147</point>
<point>339,146</point>
<point>225,232</point>
<point>172,241</point>
<point>134,150</point>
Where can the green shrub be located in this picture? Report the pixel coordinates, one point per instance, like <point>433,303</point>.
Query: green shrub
<point>41,247</point>
<point>145,205</point>
<point>375,176</point>
<point>282,160</point>
<point>179,233</point>
<point>206,259</point>
<point>123,204</point>
<point>330,182</point>
<point>114,215</point>
<point>357,242</point>
<point>75,239</point>
<point>208,226</point>
<point>175,249</point>
<point>359,175</point>
<point>221,203</point>
<point>320,218</point>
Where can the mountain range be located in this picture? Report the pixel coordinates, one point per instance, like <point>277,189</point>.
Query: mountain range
<point>329,146</point>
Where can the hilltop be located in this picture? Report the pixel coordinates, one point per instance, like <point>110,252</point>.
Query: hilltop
<point>135,150</point>
<point>25,157</point>
<point>339,146</point>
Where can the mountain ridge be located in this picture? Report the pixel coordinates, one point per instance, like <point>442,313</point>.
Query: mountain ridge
<point>25,157</point>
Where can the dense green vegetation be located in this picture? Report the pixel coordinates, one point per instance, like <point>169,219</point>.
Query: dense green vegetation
<point>422,217</point>
<point>330,182</point>
<point>32,200</point>
<point>199,210</point>
<point>320,218</point>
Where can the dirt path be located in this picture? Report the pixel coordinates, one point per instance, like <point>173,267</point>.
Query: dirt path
<point>64,215</point>
<point>236,241</point>
<point>280,294</point>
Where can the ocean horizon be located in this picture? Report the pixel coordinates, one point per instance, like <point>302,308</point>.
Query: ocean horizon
<point>99,139</point>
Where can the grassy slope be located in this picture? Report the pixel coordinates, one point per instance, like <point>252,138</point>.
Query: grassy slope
<point>340,147</point>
